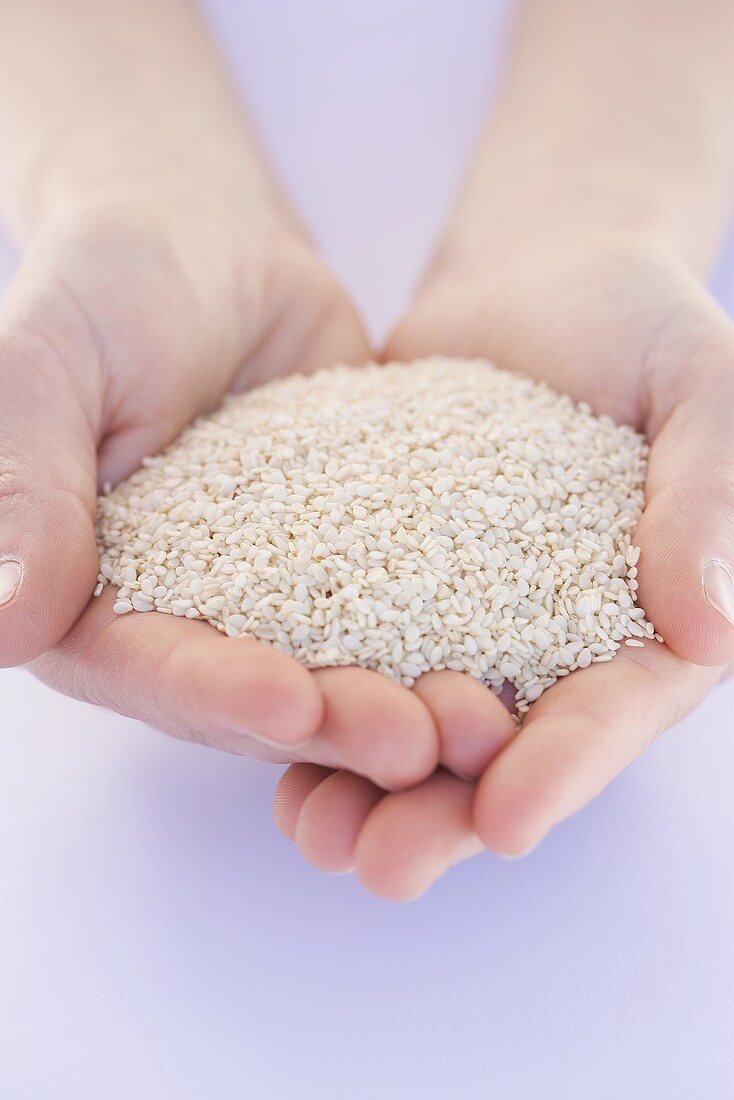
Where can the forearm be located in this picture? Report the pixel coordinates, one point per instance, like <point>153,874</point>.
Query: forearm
<point>101,99</point>
<point>621,112</point>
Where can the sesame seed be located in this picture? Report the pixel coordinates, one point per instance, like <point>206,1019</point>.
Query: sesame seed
<point>440,514</point>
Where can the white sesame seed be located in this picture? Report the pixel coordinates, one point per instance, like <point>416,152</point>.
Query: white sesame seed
<point>141,602</point>
<point>583,606</point>
<point>442,514</point>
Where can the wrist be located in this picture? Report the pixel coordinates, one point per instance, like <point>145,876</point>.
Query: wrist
<point>511,201</point>
<point>168,197</point>
<point>606,110</point>
<point>198,251</point>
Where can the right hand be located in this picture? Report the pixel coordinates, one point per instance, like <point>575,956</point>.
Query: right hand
<point>125,321</point>
<point>625,325</point>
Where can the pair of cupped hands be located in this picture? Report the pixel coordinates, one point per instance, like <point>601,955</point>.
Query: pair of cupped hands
<point>130,316</point>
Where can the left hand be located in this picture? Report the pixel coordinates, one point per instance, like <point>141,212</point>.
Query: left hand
<point>619,321</point>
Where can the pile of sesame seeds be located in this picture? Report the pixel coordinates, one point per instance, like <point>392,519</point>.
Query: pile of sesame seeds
<point>408,517</point>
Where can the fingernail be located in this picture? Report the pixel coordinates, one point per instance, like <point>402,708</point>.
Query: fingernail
<point>240,742</point>
<point>412,897</point>
<point>718,588</point>
<point>10,576</point>
<point>523,853</point>
<point>280,746</point>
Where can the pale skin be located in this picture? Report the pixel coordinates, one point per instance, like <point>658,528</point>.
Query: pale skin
<point>162,268</point>
<point>576,253</point>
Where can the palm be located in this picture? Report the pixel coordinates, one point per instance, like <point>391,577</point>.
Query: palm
<point>587,324</point>
<point>160,332</point>
<point>621,331</point>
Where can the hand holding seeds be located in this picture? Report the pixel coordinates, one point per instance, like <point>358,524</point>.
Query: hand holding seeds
<point>590,725</point>
<point>596,203</point>
<point>164,271</point>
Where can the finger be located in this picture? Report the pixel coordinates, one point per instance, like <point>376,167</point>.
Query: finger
<point>472,723</point>
<point>48,558</point>
<point>186,678</point>
<point>412,837</point>
<point>687,531</point>
<point>294,787</point>
<point>317,326</point>
<point>373,727</point>
<point>578,736</point>
<point>331,819</point>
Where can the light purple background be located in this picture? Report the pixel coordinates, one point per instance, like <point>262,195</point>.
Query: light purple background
<point>158,938</point>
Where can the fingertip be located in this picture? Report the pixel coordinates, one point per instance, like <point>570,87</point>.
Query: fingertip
<point>257,690</point>
<point>331,818</point>
<point>383,876</point>
<point>48,569</point>
<point>375,727</point>
<point>11,574</point>
<point>290,708</point>
<point>717,587</point>
<point>510,812</point>
<point>411,838</point>
<point>686,577</point>
<point>413,755</point>
<point>559,762</point>
<point>506,837</point>
<point>693,621</point>
<point>294,786</point>
<point>473,724</point>
<point>382,859</point>
<point>191,680</point>
<point>697,637</point>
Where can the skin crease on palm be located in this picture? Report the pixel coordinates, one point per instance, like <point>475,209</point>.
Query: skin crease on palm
<point>145,293</point>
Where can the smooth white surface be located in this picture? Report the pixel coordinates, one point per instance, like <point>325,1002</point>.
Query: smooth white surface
<point>157,936</point>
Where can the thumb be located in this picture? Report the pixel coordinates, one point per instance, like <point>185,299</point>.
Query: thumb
<point>687,531</point>
<point>48,557</point>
